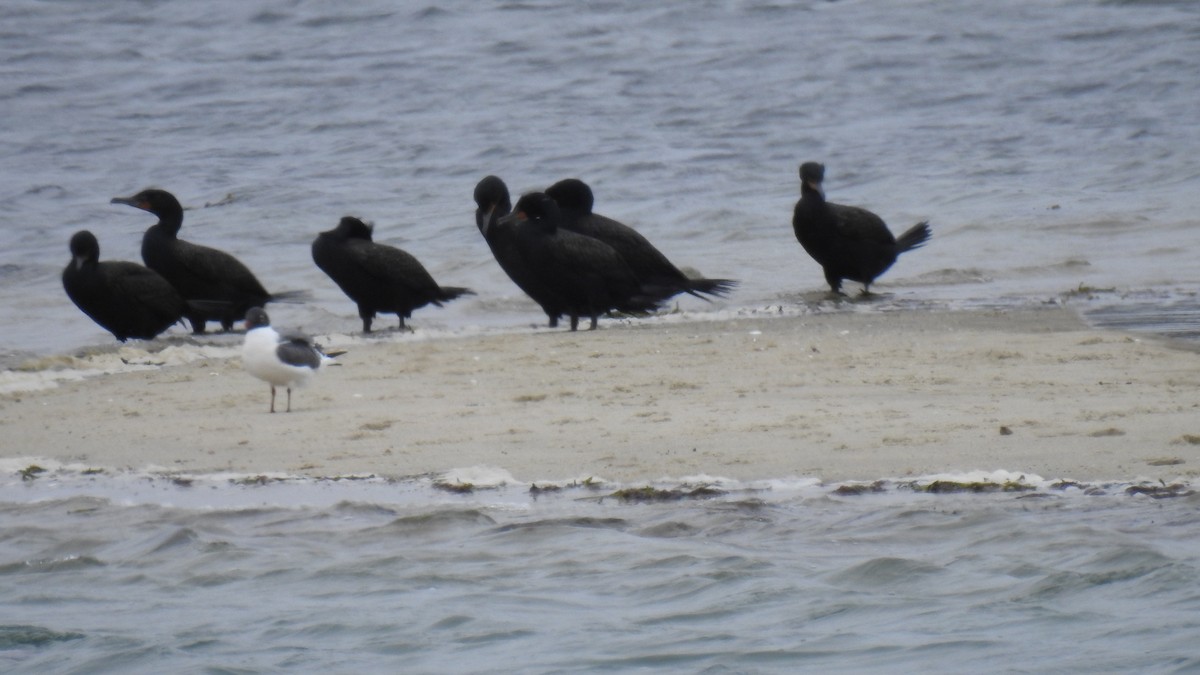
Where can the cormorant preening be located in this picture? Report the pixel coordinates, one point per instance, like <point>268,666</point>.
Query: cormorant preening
<point>575,200</point>
<point>586,274</point>
<point>217,285</point>
<point>126,299</point>
<point>281,361</point>
<point>492,203</point>
<point>379,278</point>
<point>847,241</point>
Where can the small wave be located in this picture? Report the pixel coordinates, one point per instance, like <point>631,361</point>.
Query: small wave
<point>183,537</point>
<point>269,18</point>
<point>51,565</point>
<point>15,636</point>
<point>438,521</point>
<point>344,20</point>
<point>887,571</point>
<point>586,522</point>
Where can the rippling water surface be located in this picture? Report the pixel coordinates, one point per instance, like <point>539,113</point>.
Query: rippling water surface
<point>1054,145</point>
<point>385,577</point>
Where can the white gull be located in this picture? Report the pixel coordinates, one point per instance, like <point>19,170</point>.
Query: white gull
<point>281,361</point>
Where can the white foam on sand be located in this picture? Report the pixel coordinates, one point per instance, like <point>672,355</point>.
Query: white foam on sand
<point>34,479</point>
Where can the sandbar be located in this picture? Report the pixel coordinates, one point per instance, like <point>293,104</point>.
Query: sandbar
<point>838,396</point>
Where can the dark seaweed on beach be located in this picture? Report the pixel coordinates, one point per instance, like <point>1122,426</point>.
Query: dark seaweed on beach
<point>31,472</point>
<point>1163,491</point>
<point>853,490</point>
<point>254,480</point>
<point>585,484</point>
<point>457,488</point>
<point>649,494</point>
<point>952,486</point>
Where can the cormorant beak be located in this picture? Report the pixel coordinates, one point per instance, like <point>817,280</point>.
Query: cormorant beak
<point>816,186</point>
<point>130,201</point>
<point>485,223</point>
<point>79,260</point>
<point>514,217</point>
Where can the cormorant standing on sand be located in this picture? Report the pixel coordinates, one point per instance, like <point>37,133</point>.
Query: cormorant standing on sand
<point>847,241</point>
<point>575,200</point>
<point>126,299</point>
<point>589,275</point>
<point>280,360</point>
<point>378,278</point>
<point>217,285</point>
<point>493,203</point>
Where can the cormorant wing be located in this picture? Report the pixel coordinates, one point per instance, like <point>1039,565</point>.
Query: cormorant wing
<point>391,266</point>
<point>216,267</point>
<point>861,225</point>
<point>134,283</point>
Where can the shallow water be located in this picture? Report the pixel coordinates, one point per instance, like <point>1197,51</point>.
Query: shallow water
<point>122,573</point>
<point>1053,145</point>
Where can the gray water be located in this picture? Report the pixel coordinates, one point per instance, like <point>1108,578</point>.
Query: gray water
<point>1052,144</point>
<point>374,576</point>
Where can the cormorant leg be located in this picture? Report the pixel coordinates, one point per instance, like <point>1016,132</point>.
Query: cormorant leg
<point>574,322</point>
<point>593,326</point>
<point>835,284</point>
<point>197,325</point>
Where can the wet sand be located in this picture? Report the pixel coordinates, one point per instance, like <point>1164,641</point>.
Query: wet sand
<point>838,396</point>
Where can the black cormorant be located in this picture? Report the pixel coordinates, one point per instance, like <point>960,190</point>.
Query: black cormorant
<point>126,299</point>
<point>575,200</point>
<point>493,203</point>
<point>847,241</point>
<point>589,275</point>
<point>213,278</point>
<point>379,278</point>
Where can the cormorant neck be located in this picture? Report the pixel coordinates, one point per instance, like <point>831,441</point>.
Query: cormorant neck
<point>486,219</point>
<point>170,220</point>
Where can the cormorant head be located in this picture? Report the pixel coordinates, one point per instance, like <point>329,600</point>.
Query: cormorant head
<point>812,174</point>
<point>572,195</point>
<point>159,202</point>
<point>350,227</point>
<point>84,249</point>
<point>536,209</point>
<point>491,201</point>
